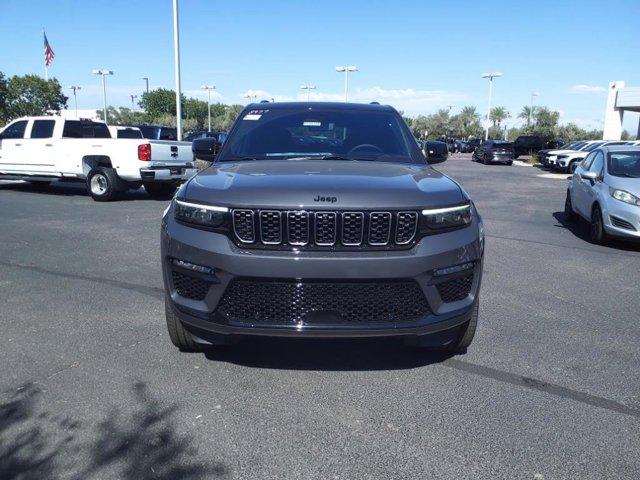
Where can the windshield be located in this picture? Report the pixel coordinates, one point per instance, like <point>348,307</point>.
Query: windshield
<point>319,133</point>
<point>624,164</point>
<point>592,146</point>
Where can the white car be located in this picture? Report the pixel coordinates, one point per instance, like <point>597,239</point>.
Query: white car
<point>605,190</point>
<point>118,131</point>
<point>43,149</point>
<point>568,162</point>
<point>552,156</point>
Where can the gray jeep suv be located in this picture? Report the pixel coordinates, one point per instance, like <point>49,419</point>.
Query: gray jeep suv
<point>321,220</point>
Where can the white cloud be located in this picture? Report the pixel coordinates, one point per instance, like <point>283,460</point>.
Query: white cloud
<point>586,89</point>
<point>409,100</point>
<point>201,94</point>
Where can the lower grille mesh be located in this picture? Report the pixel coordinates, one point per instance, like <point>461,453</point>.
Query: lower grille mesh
<point>456,289</point>
<point>189,287</point>
<point>290,302</point>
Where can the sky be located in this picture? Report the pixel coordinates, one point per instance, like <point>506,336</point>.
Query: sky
<point>418,56</point>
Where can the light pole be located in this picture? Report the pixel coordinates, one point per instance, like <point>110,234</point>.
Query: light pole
<point>133,98</point>
<point>75,98</point>
<point>208,88</point>
<point>533,95</point>
<point>176,54</point>
<point>250,96</point>
<point>146,82</point>
<point>490,76</point>
<point>103,73</point>
<point>308,88</point>
<point>346,70</point>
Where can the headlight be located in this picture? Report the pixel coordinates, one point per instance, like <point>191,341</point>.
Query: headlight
<point>200,214</point>
<point>623,196</point>
<point>449,217</point>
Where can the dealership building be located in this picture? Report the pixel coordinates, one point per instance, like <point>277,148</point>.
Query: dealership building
<point>620,99</point>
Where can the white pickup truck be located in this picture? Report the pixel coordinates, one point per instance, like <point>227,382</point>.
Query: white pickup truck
<point>42,149</point>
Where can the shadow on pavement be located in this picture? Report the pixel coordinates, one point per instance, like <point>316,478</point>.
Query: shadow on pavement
<point>325,354</point>
<point>580,228</point>
<point>77,189</point>
<point>37,444</point>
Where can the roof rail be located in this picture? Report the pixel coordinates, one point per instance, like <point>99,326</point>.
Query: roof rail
<point>374,103</point>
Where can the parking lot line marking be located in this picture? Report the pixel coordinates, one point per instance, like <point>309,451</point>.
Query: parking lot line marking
<point>155,292</point>
<point>551,388</point>
<point>571,247</point>
<point>556,176</point>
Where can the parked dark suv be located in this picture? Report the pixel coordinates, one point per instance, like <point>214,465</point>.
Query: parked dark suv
<point>494,151</point>
<point>527,144</point>
<point>321,220</point>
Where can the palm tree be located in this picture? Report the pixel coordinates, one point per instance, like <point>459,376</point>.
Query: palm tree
<point>527,113</point>
<point>498,115</point>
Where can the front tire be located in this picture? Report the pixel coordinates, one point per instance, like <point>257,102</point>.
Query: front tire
<point>597,233</point>
<point>103,184</point>
<point>177,333</point>
<point>466,334</point>
<point>569,215</point>
<point>161,190</point>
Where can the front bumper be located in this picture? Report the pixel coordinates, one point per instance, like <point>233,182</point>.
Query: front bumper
<point>231,262</point>
<point>621,219</point>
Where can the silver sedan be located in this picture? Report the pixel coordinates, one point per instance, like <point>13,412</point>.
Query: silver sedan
<point>605,190</point>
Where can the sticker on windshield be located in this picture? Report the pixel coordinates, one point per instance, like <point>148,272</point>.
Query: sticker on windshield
<point>254,114</point>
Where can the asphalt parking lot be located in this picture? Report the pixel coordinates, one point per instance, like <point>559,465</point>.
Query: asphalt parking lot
<point>90,386</point>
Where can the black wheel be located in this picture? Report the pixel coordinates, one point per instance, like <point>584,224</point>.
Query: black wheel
<point>177,333</point>
<point>597,233</point>
<point>103,184</point>
<point>161,190</point>
<point>510,163</point>
<point>39,184</point>
<point>572,167</point>
<point>569,215</point>
<point>466,334</point>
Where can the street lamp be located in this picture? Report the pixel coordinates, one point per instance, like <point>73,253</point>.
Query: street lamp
<point>208,88</point>
<point>75,98</point>
<point>490,76</point>
<point>176,57</point>
<point>346,70</point>
<point>533,95</point>
<point>133,98</point>
<point>103,73</point>
<point>308,88</point>
<point>146,82</point>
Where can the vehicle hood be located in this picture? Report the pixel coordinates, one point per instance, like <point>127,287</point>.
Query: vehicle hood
<point>631,185</point>
<point>322,184</point>
<point>560,152</point>
<point>575,154</point>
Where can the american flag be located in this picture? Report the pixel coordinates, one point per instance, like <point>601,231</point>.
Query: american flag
<point>48,52</point>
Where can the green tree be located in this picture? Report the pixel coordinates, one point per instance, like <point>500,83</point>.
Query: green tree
<point>466,124</point>
<point>124,116</point>
<point>546,123</point>
<point>527,114</point>
<point>30,95</point>
<point>498,115</point>
<point>159,102</point>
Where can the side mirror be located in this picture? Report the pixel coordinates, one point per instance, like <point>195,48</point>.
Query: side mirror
<point>205,149</point>
<point>591,176</point>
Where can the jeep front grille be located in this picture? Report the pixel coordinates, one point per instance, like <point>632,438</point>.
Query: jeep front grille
<point>291,302</point>
<point>310,228</point>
